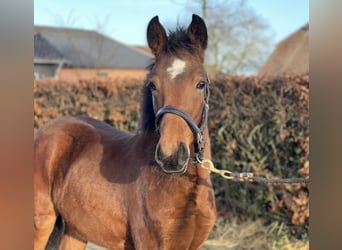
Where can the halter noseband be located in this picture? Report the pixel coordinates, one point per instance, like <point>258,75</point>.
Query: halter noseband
<point>199,141</point>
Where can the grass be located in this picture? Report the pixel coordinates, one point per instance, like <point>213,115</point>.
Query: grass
<point>249,235</point>
<point>232,235</point>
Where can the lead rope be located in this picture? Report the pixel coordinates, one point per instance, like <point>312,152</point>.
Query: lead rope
<point>245,176</point>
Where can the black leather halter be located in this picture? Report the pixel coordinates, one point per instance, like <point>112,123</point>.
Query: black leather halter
<point>198,130</point>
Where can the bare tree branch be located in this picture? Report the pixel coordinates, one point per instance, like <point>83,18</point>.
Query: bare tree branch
<point>239,39</point>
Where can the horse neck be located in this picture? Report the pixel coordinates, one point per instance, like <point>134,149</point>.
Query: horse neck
<point>148,140</point>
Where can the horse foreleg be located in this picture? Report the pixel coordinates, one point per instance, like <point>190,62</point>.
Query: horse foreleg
<point>44,221</point>
<point>71,243</point>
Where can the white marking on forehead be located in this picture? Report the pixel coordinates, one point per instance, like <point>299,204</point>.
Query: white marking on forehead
<point>176,68</point>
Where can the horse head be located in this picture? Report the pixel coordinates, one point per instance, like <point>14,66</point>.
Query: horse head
<point>179,90</point>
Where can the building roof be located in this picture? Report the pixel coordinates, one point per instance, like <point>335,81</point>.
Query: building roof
<point>290,55</point>
<point>44,51</point>
<point>90,49</point>
<point>145,49</point>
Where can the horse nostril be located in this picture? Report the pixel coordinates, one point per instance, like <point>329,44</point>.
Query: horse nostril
<point>183,154</point>
<point>159,156</point>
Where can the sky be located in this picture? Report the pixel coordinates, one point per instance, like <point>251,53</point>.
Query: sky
<point>126,20</point>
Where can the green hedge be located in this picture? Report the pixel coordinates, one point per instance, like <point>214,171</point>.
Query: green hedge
<point>256,124</point>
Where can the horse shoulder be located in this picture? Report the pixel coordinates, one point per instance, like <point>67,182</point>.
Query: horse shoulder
<point>59,143</point>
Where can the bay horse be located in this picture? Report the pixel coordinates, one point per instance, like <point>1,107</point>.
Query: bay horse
<point>134,191</point>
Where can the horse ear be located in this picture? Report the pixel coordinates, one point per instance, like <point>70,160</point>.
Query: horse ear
<point>197,32</point>
<point>156,36</point>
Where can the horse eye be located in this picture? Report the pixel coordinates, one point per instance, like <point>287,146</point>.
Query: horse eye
<point>201,84</point>
<point>152,86</point>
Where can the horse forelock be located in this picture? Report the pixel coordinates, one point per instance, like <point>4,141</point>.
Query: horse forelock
<point>178,42</point>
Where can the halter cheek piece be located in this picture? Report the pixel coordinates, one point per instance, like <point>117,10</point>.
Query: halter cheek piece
<point>198,130</point>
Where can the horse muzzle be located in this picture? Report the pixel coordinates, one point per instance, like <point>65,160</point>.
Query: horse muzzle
<point>176,163</point>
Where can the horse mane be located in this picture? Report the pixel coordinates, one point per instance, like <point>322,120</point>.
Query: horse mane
<point>178,43</point>
<point>147,120</point>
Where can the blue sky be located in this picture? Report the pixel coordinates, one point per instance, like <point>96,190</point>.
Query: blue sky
<point>126,20</point>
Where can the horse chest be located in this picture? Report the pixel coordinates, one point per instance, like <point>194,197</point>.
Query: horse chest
<point>171,218</point>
